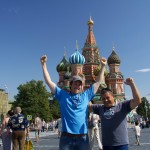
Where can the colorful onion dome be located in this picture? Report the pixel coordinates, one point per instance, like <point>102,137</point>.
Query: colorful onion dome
<point>113,58</point>
<point>63,65</point>
<point>77,58</point>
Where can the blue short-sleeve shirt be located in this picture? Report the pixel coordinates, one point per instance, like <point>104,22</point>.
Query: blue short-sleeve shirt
<point>74,109</point>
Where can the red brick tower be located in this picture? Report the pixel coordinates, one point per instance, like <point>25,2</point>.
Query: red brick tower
<point>92,57</point>
<point>114,78</point>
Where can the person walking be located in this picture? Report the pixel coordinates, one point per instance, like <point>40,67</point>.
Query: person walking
<point>20,129</point>
<point>137,130</point>
<point>59,127</point>
<point>37,126</point>
<point>114,117</point>
<point>6,140</point>
<point>94,131</point>
<point>47,126</point>
<point>74,108</point>
<point>43,125</point>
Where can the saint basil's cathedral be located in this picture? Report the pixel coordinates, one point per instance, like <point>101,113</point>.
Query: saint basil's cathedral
<point>87,65</point>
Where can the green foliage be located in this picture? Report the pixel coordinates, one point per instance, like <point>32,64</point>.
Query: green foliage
<point>144,108</point>
<point>55,110</point>
<point>33,97</point>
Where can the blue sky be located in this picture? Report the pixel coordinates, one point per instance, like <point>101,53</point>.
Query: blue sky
<point>31,28</point>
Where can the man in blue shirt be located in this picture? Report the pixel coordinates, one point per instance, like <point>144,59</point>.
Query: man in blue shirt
<point>74,108</point>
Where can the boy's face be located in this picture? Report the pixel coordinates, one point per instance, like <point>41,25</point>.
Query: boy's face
<point>76,87</point>
<point>108,99</point>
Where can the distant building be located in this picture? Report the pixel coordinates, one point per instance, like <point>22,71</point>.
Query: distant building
<point>3,103</point>
<point>87,65</point>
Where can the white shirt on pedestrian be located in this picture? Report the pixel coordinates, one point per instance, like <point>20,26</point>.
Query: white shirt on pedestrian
<point>137,130</point>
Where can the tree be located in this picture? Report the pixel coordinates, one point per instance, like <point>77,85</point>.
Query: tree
<point>33,97</point>
<point>144,108</point>
<point>55,109</point>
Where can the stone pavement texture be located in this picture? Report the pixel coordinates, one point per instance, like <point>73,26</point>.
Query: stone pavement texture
<point>32,136</point>
<point>49,140</point>
<point>42,134</point>
<point>144,139</point>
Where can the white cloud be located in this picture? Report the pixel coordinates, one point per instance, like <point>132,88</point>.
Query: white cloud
<point>143,70</point>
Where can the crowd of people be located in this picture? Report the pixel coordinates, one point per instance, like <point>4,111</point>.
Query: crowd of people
<point>15,129</point>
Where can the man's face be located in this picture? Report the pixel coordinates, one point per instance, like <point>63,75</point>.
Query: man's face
<point>76,87</point>
<point>108,99</point>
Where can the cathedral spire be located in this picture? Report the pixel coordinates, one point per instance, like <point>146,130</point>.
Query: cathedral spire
<point>76,45</point>
<point>90,40</point>
<point>64,51</point>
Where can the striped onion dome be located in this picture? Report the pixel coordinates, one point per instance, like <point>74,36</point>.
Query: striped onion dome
<point>77,58</point>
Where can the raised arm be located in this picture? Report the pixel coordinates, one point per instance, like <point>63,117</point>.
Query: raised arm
<point>100,78</point>
<point>46,74</point>
<point>136,95</point>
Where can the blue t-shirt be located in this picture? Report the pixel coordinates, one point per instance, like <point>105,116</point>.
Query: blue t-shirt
<point>74,110</point>
<point>114,123</point>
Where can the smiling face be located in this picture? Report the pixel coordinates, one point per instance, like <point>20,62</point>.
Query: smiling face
<point>76,87</point>
<point>108,99</point>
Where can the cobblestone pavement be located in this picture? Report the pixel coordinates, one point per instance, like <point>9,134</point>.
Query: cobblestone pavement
<point>144,139</point>
<point>49,140</point>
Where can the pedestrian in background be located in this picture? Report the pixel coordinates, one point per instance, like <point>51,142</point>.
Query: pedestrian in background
<point>114,117</point>
<point>56,126</point>
<point>6,140</point>
<point>59,122</point>
<point>47,126</point>
<point>137,130</point>
<point>37,126</point>
<point>94,131</point>
<point>74,108</point>
<point>20,129</point>
<point>43,125</point>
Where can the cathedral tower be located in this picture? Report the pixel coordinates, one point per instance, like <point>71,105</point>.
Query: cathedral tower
<point>92,57</point>
<point>114,79</point>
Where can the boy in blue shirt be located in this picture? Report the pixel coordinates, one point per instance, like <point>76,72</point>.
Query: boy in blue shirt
<point>74,108</point>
